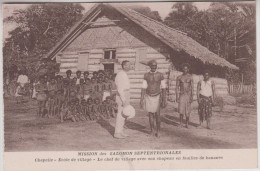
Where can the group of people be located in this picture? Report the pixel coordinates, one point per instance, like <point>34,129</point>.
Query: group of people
<point>106,95</point>
<point>77,99</point>
<point>153,97</point>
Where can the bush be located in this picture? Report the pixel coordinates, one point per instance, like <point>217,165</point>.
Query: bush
<point>249,99</point>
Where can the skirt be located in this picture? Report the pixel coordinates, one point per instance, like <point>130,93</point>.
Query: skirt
<point>205,107</point>
<point>152,103</point>
<point>184,107</point>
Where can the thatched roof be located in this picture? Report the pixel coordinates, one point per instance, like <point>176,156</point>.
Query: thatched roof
<point>175,39</point>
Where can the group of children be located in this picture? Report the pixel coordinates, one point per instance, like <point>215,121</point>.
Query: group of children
<point>77,99</point>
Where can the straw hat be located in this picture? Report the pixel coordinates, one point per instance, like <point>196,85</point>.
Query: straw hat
<point>128,112</point>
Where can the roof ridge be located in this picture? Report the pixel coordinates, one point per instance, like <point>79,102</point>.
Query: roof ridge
<point>154,20</point>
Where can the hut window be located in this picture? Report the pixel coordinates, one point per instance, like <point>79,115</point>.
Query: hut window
<point>110,54</point>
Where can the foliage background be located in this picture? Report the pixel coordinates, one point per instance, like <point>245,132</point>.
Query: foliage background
<point>226,28</point>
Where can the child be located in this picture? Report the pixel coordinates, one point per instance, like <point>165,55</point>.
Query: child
<point>68,112</point>
<point>41,96</point>
<point>112,106</point>
<point>59,82</point>
<point>36,81</point>
<point>113,87</point>
<point>96,109</point>
<point>83,105</point>
<point>60,100</point>
<point>107,88</point>
<point>66,90</point>
<point>52,88</point>
<point>74,91</point>
<point>85,74</point>
<point>79,79</point>
<point>79,111</point>
<point>100,88</point>
<point>86,89</point>
<point>95,74</point>
<point>105,109</point>
<point>89,109</point>
<point>68,75</point>
<point>94,89</point>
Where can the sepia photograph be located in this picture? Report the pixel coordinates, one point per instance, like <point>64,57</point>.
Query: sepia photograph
<point>129,76</point>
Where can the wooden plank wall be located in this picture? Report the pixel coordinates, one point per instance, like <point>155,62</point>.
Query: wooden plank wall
<point>70,60</point>
<point>221,85</point>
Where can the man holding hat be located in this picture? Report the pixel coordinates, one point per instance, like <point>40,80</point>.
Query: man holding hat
<point>153,96</point>
<point>122,99</point>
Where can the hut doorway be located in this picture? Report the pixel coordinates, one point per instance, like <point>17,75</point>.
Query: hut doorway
<point>110,67</point>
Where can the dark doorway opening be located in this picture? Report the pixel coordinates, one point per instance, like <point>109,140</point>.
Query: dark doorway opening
<point>110,67</point>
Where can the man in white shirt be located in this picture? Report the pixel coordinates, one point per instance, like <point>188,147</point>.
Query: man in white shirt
<point>123,98</point>
<point>21,81</point>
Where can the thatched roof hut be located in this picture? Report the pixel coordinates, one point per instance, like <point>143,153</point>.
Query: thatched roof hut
<point>177,40</point>
<point>111,33</point>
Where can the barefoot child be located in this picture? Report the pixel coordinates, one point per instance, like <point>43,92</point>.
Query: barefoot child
<point>107,88</point>
<point>89,109</point>
<point>41,96</point>
<point>96,109</point>
<point>68,112</point>
<point>52,88</point>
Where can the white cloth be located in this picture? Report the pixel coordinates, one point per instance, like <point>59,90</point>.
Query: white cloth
<point>122,83</point>
<point>86,97</point>
<point>152,104</point>
<point>206,88</point>
<point>22,80</point>
<point>120,120</point>
<point>105,95</point>
<point>78,81</point>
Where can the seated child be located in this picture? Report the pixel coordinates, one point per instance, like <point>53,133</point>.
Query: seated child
<point>112,106</point>
<point>68,112</point>
<point>79,111</point>
<point>83,104</point>
<point>41,96</point>
<point>105,109</point>
<point>96,109</point>
<point>89,109</point>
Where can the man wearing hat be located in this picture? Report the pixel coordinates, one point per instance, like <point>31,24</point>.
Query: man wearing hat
<point>153,96</point>
<point>122,98</point>
<point>184,94</point>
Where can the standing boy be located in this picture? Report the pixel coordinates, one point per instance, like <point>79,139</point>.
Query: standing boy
<point>184,94</point>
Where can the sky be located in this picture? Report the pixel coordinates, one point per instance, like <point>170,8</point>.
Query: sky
<point>163,8</point>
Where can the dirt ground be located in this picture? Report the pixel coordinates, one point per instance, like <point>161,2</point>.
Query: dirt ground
<point>234,127</point>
